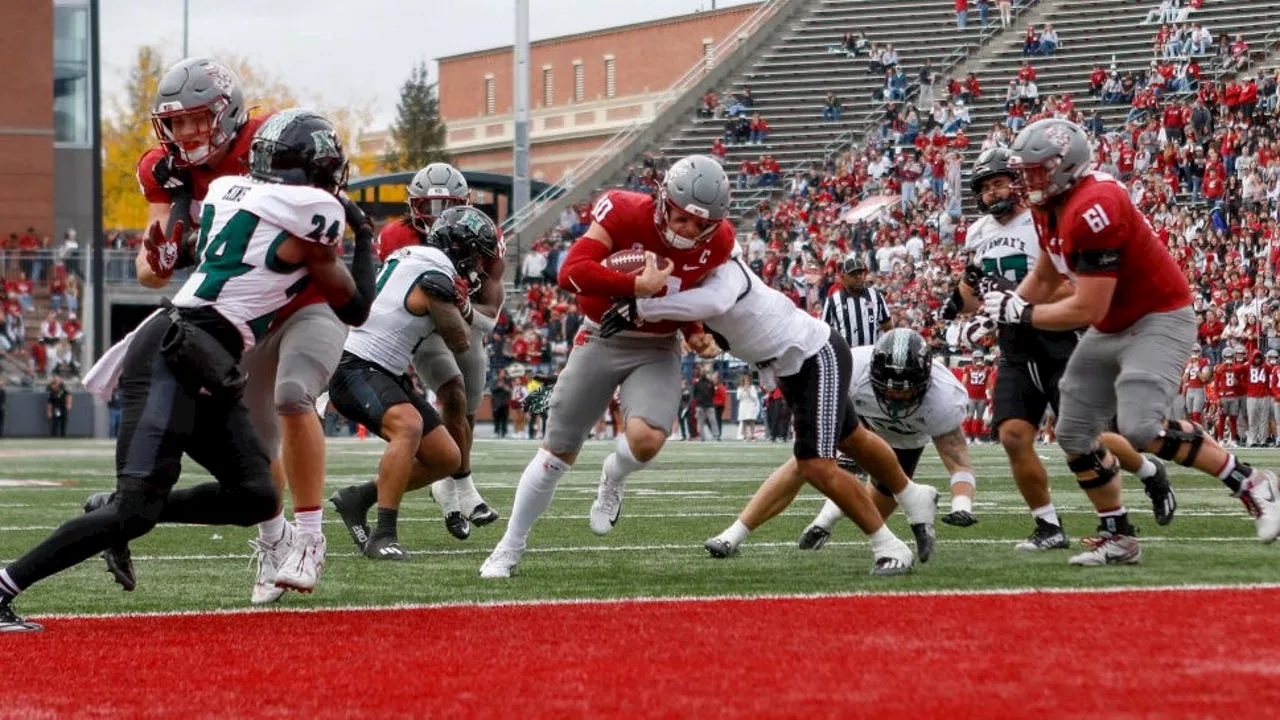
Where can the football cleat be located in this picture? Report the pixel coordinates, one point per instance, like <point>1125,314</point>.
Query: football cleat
<point>1047,536</point>
<point>118,558</point>
<point>10,621</point>
<point>1163,502</point>
<point>501,563</point>
<point>1107,548</point>
<point>354,517</point>
<point>385,547</point>
<point>269,557</point>
<point>482,515</point>
<point>960,518</point>
<point>608,505</point>
<point>457,525</point>
<point>897,561</point>
<point>814,537</point>
<point>1261,497</point>
<point>920,506</point>
<point>925,536</point>
<point>300,570</point>
<point>719,548</point>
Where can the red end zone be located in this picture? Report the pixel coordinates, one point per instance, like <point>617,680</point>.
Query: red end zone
<point>1113,655</point>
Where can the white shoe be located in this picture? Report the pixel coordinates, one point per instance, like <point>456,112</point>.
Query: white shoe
<point>1261,497</point>
<point>500,563</point>
<point>898,560</point>
<point>301,568</point>
<point>1106,548</point>
<point>269,558</point>
<point>608,505</point>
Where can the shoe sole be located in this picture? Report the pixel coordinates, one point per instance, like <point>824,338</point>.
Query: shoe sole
<point>125,579</point>
<point>349,524</point>
<point>1032,547</point>
<point>459,530</point>
<point>959,521</point>
<point>717,551</point>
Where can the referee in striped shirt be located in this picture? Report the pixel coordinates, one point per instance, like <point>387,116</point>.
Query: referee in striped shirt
<point>858,312</point>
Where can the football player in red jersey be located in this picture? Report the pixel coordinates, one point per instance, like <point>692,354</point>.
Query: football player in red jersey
<point>1137,304</point>
<point>205,132</point>
<point>1193,381</point>
<point>687,224</point>
<point>1229,382</point>
<point>1273,367</point>
<point>976,378</point>
<point>457,380</point>
<point>1257,398</point>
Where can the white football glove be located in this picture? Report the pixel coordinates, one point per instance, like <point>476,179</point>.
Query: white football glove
<point>1006,307</point>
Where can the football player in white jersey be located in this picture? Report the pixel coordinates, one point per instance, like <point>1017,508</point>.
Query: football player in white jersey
<point>1005,248</point>
<point>422,290</point>
<point>810,363</point>
<point>909,399</point>
<point>179,377</point>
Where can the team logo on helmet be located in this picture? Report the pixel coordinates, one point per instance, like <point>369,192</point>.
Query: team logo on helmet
<point>1059,136</point>
<point>221,76</point>
<point>326,143</point>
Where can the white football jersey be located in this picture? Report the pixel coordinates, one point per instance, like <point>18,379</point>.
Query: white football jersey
<point>1010,250</point>
<point>242,223</point>
<point>943,410</point>
<point>759,323</point>
<point>392,333</point>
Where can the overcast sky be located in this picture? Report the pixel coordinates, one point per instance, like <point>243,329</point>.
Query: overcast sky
<point>351,51</point>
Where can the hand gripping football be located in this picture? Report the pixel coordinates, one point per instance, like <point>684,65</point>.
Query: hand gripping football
<point>627,262</point>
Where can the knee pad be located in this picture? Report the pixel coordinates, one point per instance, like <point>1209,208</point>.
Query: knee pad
<point>1092,462</point>
<point>293,398</point>
<point>1173,438</point>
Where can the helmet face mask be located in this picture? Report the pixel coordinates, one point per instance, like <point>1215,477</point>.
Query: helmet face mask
<point>434,189</point>
<point>901,367</point>
<point>424,211</point>
<point>992,175</point>
<point>467,236</point>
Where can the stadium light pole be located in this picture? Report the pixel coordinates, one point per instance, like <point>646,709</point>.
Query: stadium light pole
<point>186,11</point>
<point>520,109</point>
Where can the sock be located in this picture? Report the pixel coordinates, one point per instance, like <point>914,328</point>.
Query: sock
<point>308,519</point>
<point>621,462</point>
<point>1047,513</point>
<point>1147,470</point>
<point>465,490</point>
<point>367,494</point>
<point>8,588</point>
<point>386,522</point>
<point>270,531</point>
<point>1234,473</point>
<point>1116,521</point>
<point>736,533</point>
<point>961,503</point>
<point>882,540</point>
<point>445,493</point>
<point>533,497</point>
<point>828,516</point>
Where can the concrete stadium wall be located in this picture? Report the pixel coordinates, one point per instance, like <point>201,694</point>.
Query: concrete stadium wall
<point>24,414</point>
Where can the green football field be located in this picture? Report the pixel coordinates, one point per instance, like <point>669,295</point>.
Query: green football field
<point>693,491</point>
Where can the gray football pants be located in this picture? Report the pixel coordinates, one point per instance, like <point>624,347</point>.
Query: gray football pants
<point>1259,409</point>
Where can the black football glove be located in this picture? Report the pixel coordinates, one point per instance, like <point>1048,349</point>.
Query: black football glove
<point>622,316</point>
<point>955,303</point>
<point>172,177</point>
<point>355,215</point>
<point>973,275</point>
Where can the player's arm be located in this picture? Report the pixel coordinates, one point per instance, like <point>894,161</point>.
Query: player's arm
<point>437,294</point>
<point>1041,284</point>
<point>584,273</point>
<point>490,298</point>
<point>953,449</point>
<point>717,293</point>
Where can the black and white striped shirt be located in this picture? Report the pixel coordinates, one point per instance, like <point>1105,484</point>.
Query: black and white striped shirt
<point>858,316</point>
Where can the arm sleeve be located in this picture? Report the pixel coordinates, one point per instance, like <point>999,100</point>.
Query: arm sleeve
<point>713,297</point>
<point>145,174</point>
<point>582,272</point>
<point>356,310</point>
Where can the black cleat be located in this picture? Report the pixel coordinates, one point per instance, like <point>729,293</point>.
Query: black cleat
<point>925,537</point>
<point>10,621</point>
<point>960,518</point>
<point>385,547</point>
<point>814,538</point>
<point>457,525</point>
<point>1047,536</point>
<point>354,518</point>
<point>482,515</point>
<point>1163,502</point>
<point>119,560</point>
<point>718,548</point>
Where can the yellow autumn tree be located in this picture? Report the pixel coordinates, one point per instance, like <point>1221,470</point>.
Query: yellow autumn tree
<point>126,135</point>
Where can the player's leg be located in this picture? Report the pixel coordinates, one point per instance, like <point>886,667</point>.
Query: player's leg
<point>1155,481</point>
<point>310,346</point>
<point>157,415</point>
<point>1195,405</point>
<point>650,398</point>
<point>1148,378</point>
<point>1088,401</point>
<point>438,370</point>
<point>275,535</point>
<point>1019,402</point>
<point>580,395</point>
<point>474,364</point>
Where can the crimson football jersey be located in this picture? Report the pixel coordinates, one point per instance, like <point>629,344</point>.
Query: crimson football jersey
<point>395,235</point>
<point>236,162</point>
<point>1228,380</point>
<point>628,218</point>
<point>1094,229</point>
<point>975,381</point>
<point>1195,366</point>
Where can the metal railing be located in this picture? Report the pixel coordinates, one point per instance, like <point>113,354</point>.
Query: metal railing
<point>611,147</point>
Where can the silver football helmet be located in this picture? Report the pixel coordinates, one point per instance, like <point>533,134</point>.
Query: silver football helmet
<point>699,186</point>
<point>198,109</point>
<point>1051,155</point>
<point>434,189</point>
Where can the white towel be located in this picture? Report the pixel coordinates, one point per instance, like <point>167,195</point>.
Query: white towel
<point>102,378</point>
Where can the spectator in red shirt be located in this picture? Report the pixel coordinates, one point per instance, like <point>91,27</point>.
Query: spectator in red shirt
<point>962,13</point>
<point>759,129</point>
<point>718,149</point>
<point>1027,73</point>
<point>1097,79</point>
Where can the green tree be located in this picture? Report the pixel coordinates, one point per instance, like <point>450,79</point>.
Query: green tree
<point>126,135</point>
<point>418,134</point>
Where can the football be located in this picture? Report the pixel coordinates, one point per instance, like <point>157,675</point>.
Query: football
<point>630,262</point>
